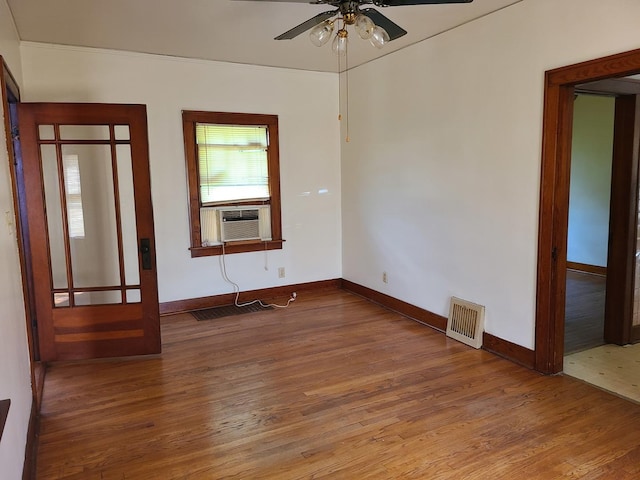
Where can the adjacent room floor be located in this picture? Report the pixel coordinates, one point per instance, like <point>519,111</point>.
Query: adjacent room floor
<point>614,368</point>
<point>587,357</point>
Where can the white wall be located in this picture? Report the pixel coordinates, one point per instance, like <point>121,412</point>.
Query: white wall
<point>15,376</point>
<point>441,178</point>
<point>306,103</point>
<point>591,159</point>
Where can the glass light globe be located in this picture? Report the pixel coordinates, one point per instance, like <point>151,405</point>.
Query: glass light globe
<point>321,33</point>
<point>379,37</point>
<point>364,26</point>
<point>339,45</point>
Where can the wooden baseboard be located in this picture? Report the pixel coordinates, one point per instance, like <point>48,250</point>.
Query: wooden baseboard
<point>517,354</point>
<point>416,313</point>
<point>585,268</point>
<point>31,448</point>
<point>503,348</point>
<point>191,304</point>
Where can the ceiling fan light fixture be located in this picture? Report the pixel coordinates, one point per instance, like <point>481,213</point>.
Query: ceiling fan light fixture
<point>321,33</point>
<point>339,45</point>
<point>364,26</point>
<point>379,37</point>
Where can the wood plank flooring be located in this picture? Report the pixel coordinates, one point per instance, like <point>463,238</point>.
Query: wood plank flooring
<point>334,387</point>
<point>584,311</point>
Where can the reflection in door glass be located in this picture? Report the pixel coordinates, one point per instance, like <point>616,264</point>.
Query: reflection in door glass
<point>73,195</point>
<point>133,296</point>
<point>46,132</point>
<point>97,298</point>
<point>55,225</point>
<point>84,132</point>
<point>60,300</point>
<point>94,257</point>
<point>121,132</point>
<point>127,215</point>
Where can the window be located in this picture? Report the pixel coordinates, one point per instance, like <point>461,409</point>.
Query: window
<point>234,182</point>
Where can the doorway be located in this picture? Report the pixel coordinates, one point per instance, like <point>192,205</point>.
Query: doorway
<point>560,89</point>
<point>589,215</point>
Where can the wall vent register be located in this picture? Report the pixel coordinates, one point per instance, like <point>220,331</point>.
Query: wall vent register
<point>466,322</point>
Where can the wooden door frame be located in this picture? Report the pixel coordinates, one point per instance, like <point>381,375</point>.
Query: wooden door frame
<point>9,86</point>
<point>554,197</point>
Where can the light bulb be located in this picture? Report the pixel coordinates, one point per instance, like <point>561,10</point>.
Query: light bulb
<point>321,33</point>
<point>379,37</point>
<point>339,45</point>
<point>364,26</point>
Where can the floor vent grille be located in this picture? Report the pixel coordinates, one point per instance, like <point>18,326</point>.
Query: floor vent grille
<point>466,322</point>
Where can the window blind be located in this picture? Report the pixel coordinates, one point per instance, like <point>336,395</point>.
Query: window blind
<point>73,191</point>
<point>232,163</point>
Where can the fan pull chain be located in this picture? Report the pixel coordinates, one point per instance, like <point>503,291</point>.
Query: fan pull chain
<point>339,91</point>
<point>346,66</point>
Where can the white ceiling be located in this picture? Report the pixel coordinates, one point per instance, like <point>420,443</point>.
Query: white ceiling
<point>224,30</point>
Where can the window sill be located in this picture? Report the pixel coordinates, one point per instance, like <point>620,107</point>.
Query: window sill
<point>236,247</point>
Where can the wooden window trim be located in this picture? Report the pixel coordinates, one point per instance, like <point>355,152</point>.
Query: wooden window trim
<point>189,120</point>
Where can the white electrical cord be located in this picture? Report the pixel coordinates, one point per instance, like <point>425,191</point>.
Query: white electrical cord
<point>236,287</point>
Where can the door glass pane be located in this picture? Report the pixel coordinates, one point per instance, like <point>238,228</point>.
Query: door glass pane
<point>84,132</point>
<point>60,299</point>
<point>127,215</point>
<point>53,207</point>
<point>94,255</point>
<point>97,298</point>
<point>46,132</point>
<point>121,132</point>
<point>133,296</point>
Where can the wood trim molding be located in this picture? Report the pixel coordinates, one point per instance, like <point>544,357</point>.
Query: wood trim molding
<point>586,268</point>
<point>415,313</point>
<point>191,304</point>
<point>511,351</point>
<point>31,448</point>
<point>503,348</point>
<point>554,193</point>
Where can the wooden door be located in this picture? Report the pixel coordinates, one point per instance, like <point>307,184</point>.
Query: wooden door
<point>88,202</point>
<point>623,222</point>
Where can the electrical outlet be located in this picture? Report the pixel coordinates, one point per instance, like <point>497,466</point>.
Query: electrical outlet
<point>281,272</point>
<point>384,277</point>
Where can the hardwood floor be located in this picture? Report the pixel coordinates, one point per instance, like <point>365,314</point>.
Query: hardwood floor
<point>584,311</point>
<point>333,387</point>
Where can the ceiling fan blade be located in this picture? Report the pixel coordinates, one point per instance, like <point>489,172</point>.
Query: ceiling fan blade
<point>288,1</point>
<point>304,26</point>
<point>394,30</point>
<point>397,3</point>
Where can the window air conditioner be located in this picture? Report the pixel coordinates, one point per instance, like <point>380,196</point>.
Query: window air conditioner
<point>244,223</point>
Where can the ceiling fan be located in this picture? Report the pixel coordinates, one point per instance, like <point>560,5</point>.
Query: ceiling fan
<point>369,23</point>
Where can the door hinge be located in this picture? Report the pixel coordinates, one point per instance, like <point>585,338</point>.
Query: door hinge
<point>15,133</point>
<point>554,253</point>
